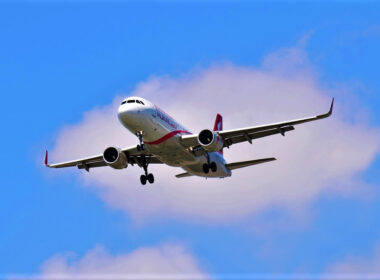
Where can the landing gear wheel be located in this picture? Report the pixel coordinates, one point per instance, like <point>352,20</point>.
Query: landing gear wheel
<point>213,166</point>
<point>150,178</point>
<point>206,168</point>
<point>143,179</point>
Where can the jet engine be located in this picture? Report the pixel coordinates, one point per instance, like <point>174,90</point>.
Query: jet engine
<point>115,158</point>
<point>210,140</point>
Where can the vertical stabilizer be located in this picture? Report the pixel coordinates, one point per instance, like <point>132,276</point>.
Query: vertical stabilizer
<point>218,126</point>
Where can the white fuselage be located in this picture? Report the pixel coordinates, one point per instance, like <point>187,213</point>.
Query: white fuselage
<point>161,135</point>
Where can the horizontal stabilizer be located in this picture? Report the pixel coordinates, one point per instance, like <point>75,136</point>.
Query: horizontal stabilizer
<point>186,174</point>
<point>241,164</point>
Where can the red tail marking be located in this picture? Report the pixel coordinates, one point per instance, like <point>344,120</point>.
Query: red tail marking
<point>46,158</point>
<point>218,126</point>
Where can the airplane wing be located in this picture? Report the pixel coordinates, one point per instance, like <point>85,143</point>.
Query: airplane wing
<point>134,156</point>
<point>234,136</point>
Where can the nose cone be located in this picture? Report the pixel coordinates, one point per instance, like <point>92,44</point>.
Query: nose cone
<point>128,114</point>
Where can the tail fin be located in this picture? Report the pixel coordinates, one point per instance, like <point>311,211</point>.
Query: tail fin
<point>218,126</point>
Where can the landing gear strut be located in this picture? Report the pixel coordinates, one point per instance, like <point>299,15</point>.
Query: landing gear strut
<point>146,176</point>
<point>141,146</point>
<point>209,165</point>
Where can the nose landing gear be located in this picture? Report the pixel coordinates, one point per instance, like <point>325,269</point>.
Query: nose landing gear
<point>141,146</point>
<point>145,178</point>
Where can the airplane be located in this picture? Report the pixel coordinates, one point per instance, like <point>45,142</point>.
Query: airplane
<point>162,140</point>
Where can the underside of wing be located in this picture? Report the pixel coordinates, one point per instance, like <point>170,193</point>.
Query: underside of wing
<point>132,156</point>
<point>98,159</point>
<point>248,134</point>
<point>190,140</point>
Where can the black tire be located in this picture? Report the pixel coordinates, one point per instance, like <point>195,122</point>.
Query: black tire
<point>206,168</point>
<point>213,166</point>
<point>142,147</point>
<point>143,179</point>
<point>150,178</point>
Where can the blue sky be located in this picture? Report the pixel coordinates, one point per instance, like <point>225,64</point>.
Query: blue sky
<point>59,60</point>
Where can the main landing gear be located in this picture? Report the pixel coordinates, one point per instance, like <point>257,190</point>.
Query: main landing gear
<point>209,165</point>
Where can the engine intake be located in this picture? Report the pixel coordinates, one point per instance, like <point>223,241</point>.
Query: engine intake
<point>210,140</point>
<point>115,158</point>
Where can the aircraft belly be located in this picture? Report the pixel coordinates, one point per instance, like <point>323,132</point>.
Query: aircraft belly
<point>197,169</point>
<point>172,153</point>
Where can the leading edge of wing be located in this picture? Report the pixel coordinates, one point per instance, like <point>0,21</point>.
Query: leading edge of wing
<point>130,151</point>
<point>227,133</point>
<point>70,163</point>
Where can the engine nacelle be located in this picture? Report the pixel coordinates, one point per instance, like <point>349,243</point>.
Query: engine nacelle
<point>210,140</point>
<point>115,158</point>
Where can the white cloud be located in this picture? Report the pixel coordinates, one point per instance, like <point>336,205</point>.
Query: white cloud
<point>358,267</point>
<point>162,262</point>
<point>320,157</point>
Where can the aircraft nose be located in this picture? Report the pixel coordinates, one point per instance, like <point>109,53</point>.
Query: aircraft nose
<point>127,113</point>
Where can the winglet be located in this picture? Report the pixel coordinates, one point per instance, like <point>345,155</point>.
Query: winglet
<point>328,114</point>
<point>46,158</point>
<point>332,106</point>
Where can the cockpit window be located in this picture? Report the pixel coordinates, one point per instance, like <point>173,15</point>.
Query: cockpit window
<point>132,101</point>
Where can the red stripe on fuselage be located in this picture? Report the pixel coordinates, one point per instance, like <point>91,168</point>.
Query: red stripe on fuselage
<point>167,136</point>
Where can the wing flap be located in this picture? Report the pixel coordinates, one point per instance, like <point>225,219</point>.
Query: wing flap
<point>242,137</point>
<point>87,166</point>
